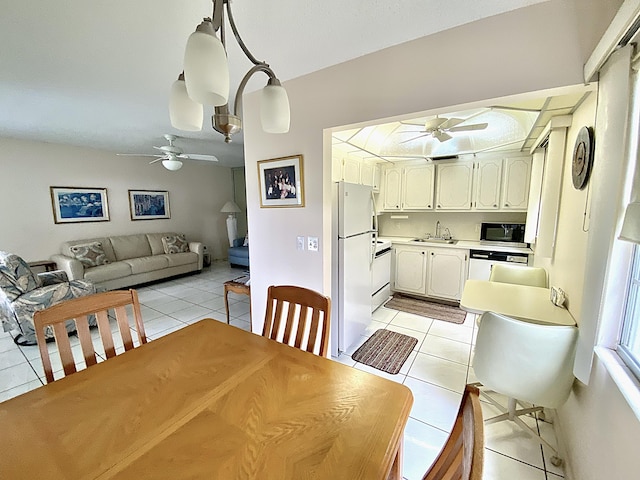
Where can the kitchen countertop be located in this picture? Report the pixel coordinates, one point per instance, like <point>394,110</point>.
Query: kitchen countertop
<point>460,244</point>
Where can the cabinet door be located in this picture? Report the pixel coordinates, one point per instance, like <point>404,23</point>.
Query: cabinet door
<point>447,272</point>
<point>410,269</point>
<point>336,168</point>
<point>351,170</point>
<point>376,177</point>
<point>418,187</point>
<point>366,173</point>
<point>392,189</point>
<point>453,186</point>
<point>487,176</point>
<point>515,185</point>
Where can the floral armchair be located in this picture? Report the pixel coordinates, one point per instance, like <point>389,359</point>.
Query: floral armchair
<point>22,293</point>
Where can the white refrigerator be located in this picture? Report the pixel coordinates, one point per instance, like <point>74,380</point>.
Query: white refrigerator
<point>354,210</point>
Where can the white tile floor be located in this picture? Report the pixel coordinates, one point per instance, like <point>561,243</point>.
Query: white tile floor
<point>436,372</point>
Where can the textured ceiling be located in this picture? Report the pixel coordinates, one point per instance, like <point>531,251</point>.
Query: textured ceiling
<point>97,74</point>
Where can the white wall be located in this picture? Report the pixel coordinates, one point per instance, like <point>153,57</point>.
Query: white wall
<point>491,58</point>
<point>27,169</point>
<point>538,47</point>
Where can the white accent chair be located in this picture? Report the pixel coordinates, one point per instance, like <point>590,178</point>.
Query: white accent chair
<point>526,362</point>
<point>518,274</point>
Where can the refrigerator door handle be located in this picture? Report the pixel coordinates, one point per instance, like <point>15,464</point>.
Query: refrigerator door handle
<point>374,242</point>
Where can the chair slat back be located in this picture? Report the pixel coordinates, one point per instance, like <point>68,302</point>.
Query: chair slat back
<point>298,317</point>
<point>78,311</point>
<point>462,456</point>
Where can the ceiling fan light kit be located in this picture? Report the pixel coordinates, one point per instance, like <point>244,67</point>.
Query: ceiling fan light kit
<point>185,114</point>
<point>172,164</point>
<point>206,74</point>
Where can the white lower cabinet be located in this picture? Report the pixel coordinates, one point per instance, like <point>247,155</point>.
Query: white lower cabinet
<point>428,271</point>
<point>410,269</point>
<point>446,273</point>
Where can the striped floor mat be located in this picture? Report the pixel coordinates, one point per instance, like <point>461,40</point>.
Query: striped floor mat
<point>385,350</point>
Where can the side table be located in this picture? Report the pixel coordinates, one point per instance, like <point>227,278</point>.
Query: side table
<point>240,286</point>
<point>48,265</point>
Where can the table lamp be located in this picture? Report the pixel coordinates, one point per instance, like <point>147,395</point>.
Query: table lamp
<point>232,224</point>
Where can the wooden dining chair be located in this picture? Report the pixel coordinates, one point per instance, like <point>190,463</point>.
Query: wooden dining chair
<point>78,311</point>
<point>298,317</point>
<point>462,456</point>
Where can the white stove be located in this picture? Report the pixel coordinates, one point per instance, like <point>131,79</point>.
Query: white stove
<point>381,274</point>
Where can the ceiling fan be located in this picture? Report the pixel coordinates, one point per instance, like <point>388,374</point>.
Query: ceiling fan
<point>171,155</point>
<point>439,128</point>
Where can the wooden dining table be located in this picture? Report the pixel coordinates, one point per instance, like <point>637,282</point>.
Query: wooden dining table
<point>523,302</point>
<point>208,401</point>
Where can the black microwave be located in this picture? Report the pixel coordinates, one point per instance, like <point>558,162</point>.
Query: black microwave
<point>512,233</point>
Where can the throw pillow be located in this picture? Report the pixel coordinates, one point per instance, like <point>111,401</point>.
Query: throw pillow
<point>175,244</point>
<point>90,254</point>
<point>246,241</point>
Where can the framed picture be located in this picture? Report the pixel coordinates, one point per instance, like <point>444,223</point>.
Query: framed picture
<point>76,204</point>
<point>149,204</point>
<point>281,182</point>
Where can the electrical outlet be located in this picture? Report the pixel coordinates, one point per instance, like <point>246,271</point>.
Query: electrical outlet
<point>312,244</point>
<point>300,243</point>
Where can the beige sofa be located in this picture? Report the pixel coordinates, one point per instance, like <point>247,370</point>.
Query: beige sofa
<point>129,260</point>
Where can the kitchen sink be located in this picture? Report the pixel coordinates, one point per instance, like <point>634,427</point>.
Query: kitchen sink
<point>435,240</point>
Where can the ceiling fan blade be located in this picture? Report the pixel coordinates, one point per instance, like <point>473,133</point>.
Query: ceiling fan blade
<point>466,128</point>
<point>415,138</point>
<point>434,123</point>
<point>451,122</point>
<point>442,136</point>
<point>197,156</point>
<point>137,155</point>
<point>157,159</point>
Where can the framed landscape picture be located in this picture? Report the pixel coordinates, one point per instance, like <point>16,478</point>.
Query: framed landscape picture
<point>149,204</point>
<point>77,204</point>
<point>281,182</point>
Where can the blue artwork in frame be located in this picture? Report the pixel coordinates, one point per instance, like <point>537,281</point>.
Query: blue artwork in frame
<point>149,204</point>
<point>76,204</point>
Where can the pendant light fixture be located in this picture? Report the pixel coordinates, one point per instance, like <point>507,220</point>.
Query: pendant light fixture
<point>206,81</point>
<point>185,114</point>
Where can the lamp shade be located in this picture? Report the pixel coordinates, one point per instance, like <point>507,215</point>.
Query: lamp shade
<point>230,207</point>
<point>185,114</point>
<point>206,71</point>
<point>274,108</point>
<point>172,164</point>
<point>631,224</point>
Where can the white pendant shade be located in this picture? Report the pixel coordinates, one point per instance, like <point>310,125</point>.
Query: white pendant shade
<point>631,224</point>
<point>206,71</point>
<point>274,109</point>
<point>185,114</point>
<point>172,165</point>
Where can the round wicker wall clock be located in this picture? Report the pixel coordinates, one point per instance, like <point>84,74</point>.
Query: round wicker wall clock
<point>582,158</point>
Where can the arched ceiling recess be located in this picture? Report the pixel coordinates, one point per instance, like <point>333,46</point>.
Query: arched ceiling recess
<point>499,127</point>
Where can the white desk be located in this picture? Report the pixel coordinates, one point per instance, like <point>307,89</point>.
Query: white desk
<point>531,304</point>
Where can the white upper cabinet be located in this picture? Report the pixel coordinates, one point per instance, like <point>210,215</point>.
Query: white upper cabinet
<point>418,187</point>
<point>392,189</point>
<point>488,177</point>
<point>515,184</point>
<point>453,186</point>
<point>351,170</point>
<point>370,175</point>
<point>408,188</point>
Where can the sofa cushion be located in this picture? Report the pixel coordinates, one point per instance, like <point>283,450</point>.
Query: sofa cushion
<point>175,244</point>
<point>106,246</point>
<point>185,258</point>
<point>155,241</point>
<point>107,272</point>
<point>147,264</point>
<point>131,246</point>
<point>90,254</point>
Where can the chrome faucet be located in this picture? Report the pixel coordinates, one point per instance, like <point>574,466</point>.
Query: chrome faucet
<point>438,229</point>
<point>447,234</point>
